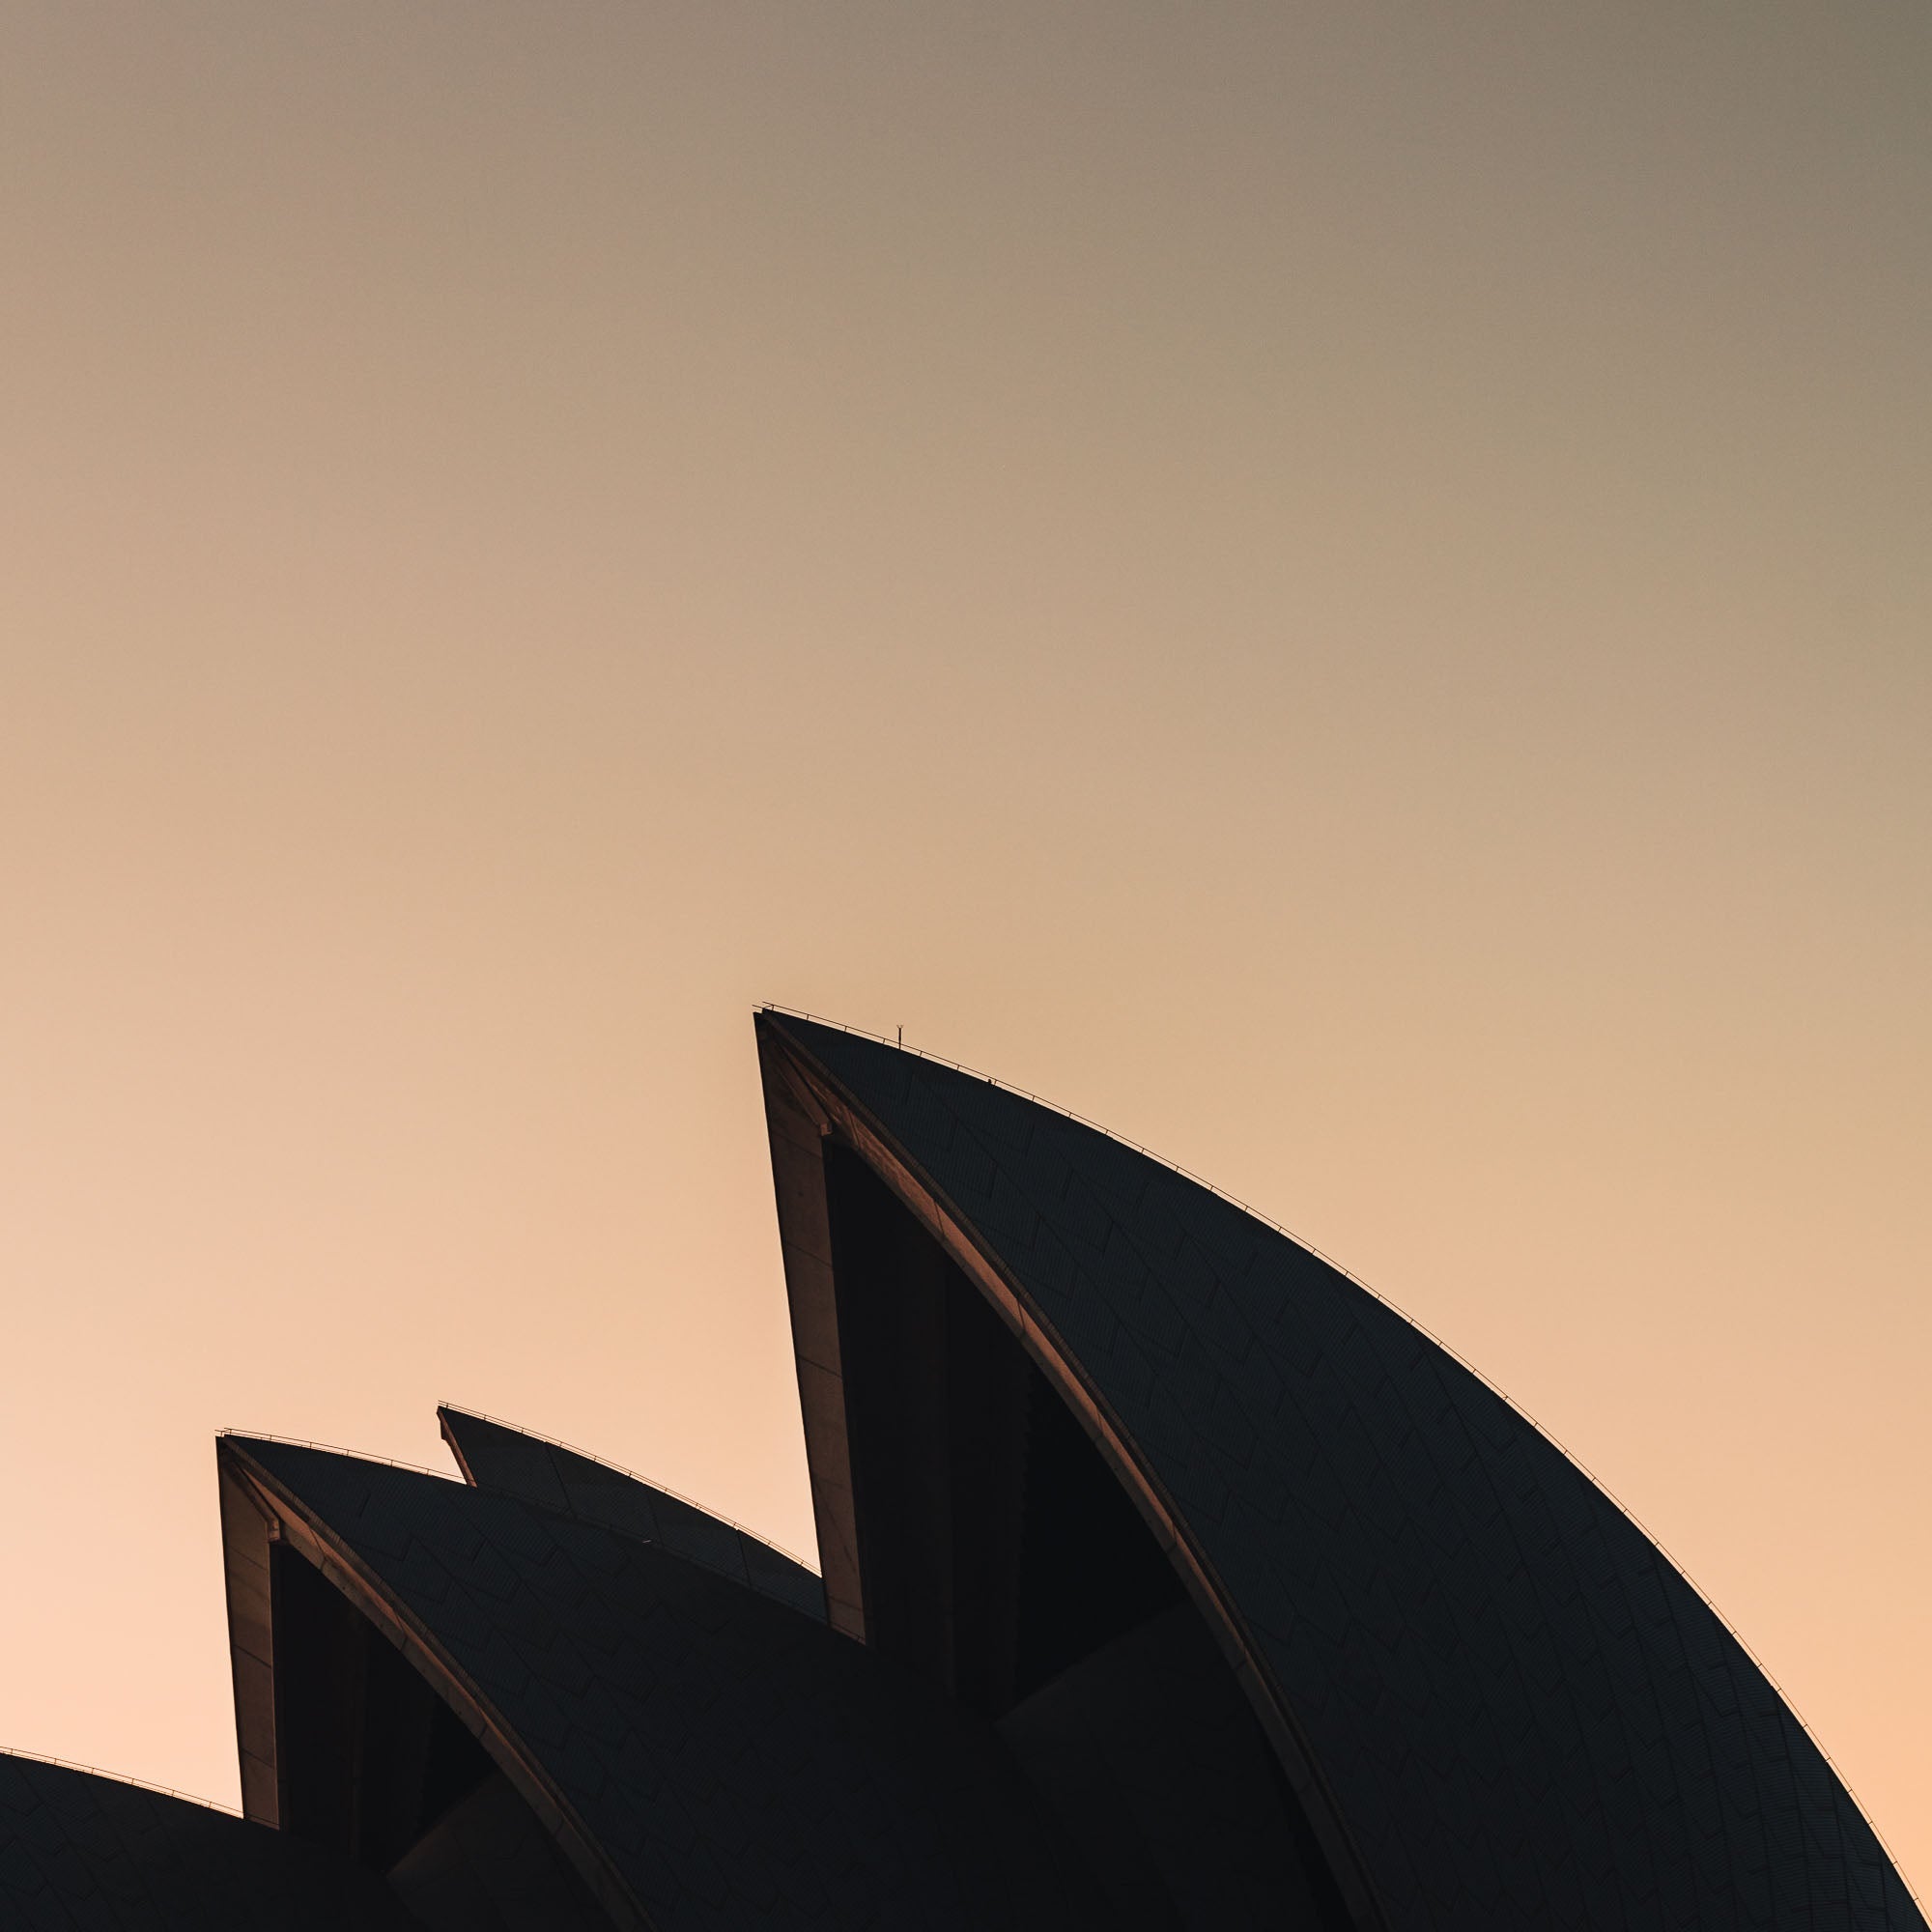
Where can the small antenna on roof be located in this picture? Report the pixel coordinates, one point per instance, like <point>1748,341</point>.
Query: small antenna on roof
<point>901,1034</point>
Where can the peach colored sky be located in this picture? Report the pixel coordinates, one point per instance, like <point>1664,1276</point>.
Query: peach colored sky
<point>1345,592</point>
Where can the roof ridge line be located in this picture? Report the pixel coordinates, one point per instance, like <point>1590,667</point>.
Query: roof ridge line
<point>124,1778</point>
<point>336,1449</point>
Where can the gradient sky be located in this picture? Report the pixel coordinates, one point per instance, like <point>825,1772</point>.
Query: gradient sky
<point>1346,590</point>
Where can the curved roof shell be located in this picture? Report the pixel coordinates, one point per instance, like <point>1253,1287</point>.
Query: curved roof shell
<point>81,1853</point>
<point>1498,1701</point>
<point>493,1456</point>
<point>709,1757</point>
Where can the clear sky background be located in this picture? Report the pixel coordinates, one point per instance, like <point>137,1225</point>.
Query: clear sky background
<point>1346,590</point>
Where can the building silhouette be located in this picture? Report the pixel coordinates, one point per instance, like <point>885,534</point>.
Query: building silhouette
<point>1168,1579</point>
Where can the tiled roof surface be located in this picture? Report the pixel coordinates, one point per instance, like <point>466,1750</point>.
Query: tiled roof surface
<point>1526,1715</point>
<point>1147,1751</point>
<point>739,1764</point>
<point>87,1854</point>
<point>498,1457</point>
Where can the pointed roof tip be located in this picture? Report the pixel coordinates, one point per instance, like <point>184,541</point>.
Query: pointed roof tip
<point>444,1412</point>
<point>771,1019</point>
<point>231,1444</point>
<point>797,1025</point>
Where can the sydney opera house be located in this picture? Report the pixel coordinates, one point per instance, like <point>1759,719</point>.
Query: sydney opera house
<point>1167,1579</point>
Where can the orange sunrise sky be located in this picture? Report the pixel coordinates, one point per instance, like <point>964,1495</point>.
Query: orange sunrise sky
<point>1343,591</point>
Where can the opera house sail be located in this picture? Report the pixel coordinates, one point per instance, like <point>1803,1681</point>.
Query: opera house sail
<point>1167,1578</point>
